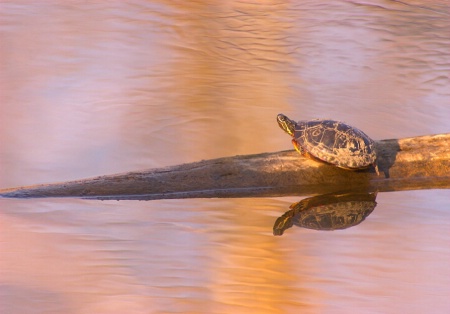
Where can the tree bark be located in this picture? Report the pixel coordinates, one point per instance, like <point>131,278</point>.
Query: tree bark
<point>404,164</point>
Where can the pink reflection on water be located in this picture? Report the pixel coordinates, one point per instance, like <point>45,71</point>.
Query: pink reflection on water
<point>91,89</point>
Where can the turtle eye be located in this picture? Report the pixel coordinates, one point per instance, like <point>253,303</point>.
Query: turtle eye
<point>281,118</point>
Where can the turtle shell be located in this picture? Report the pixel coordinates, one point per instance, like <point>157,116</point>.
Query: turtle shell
<point>328,212</point>
<point>336,143</point>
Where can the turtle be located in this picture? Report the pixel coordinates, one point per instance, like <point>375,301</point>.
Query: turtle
<point>334,211</point>
<point>332,142</point>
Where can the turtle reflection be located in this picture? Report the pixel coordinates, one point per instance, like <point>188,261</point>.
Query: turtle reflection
<point>328,212</point>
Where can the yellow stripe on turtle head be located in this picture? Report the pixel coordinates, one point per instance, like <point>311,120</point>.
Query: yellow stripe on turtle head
<point>286,124</point>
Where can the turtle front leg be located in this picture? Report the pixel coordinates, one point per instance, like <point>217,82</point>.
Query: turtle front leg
<point>298,148</point>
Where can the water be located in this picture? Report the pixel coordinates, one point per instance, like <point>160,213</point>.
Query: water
<point>92,89</point>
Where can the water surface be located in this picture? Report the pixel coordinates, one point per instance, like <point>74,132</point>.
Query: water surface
<point>92,89</point>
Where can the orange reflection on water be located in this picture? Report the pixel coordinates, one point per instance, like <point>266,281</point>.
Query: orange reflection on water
<point>97,88</point>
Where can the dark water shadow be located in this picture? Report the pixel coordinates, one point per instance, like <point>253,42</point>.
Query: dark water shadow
<point>333,211</point>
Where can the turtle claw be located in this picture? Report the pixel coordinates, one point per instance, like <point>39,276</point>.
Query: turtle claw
<point>375,166</point>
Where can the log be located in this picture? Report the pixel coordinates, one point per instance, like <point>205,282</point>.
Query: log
<point>404,164</point>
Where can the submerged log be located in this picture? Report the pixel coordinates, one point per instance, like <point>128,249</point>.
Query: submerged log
<point>404,164</point>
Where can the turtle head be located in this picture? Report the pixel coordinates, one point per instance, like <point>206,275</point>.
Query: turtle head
<point>286,124</point>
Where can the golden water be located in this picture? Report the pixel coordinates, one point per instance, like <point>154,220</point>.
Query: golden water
<point>99,88</point>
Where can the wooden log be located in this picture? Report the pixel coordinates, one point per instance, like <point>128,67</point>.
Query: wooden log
<point>404,164</point>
